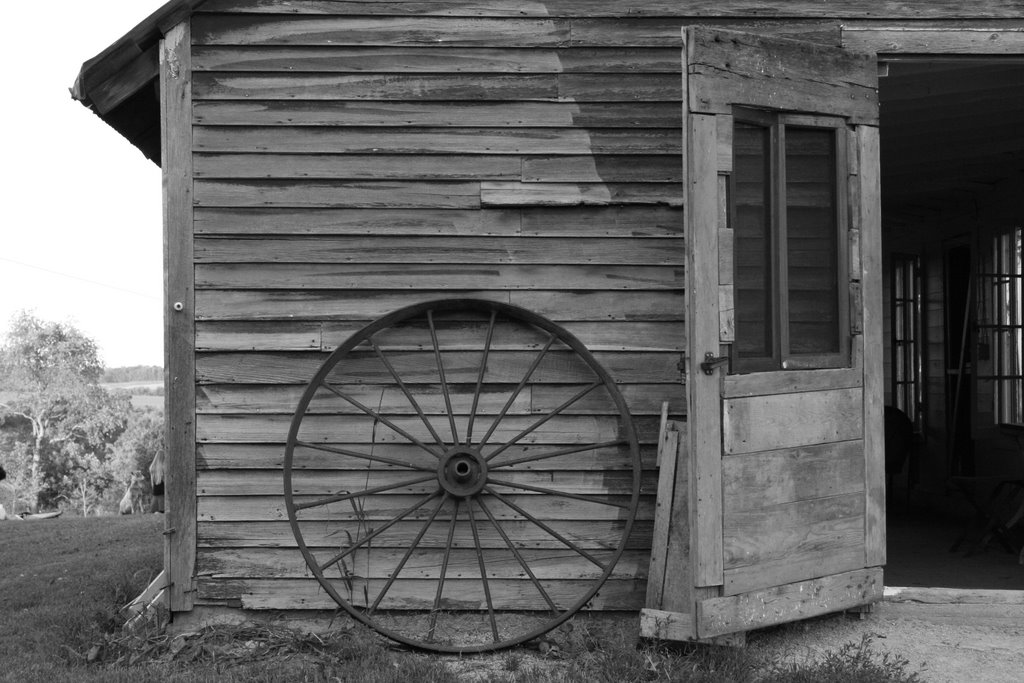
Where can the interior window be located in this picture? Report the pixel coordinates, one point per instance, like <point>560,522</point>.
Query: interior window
<point>1000,325</point>
<point>789,254</point>
<point>905,291</point>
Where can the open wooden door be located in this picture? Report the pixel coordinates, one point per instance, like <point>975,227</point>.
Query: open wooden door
<point>778,501</point>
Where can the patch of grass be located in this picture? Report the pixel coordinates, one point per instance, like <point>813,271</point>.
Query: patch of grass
<point>64,582</point>
<point>851,663</point>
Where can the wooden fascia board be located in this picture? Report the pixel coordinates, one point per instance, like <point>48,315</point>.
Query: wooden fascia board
<point>109,66</point>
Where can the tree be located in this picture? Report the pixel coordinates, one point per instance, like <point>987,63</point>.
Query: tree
<point>49,374</point>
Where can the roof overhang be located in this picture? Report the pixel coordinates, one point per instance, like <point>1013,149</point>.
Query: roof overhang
<point>122,84</point>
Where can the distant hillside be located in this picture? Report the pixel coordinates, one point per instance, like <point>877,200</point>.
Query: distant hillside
<point>134,373</point>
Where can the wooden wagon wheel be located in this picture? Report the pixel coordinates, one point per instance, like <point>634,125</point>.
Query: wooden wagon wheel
<point>462,475</point>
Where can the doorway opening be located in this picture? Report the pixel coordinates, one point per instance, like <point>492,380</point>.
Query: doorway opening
<point>952,155</point>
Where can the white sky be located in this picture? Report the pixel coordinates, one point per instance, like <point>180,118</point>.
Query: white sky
<point>80,235</point>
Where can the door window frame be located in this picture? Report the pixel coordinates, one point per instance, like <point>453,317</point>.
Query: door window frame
<point>782,358</point>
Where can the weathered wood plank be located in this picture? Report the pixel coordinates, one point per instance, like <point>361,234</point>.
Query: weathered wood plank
<point>867,9</point>
<point>272,508</point>
<point>760,480</point>
<point>606,169</point>
<point>559,306</point>
<point>790,602</point>
<point>431,60</point>
<point>586,88</point>
<point>669,438</point>
<point>574,194</point>
<point>128,80</point>
<point>385,31</point>
<point>912,40</point>
<point>451,276</point>
<point>305,336</point>
<point>270,456</point>
<point>764,423</point>
<point>546,564</point>
<point>588,534</point>
<point>377,86</point>
<point>259,336</point>
<point>794,567</point>
<point>323,193</point>
<point>420,367</point>
<point>447,114</point>
<point>179,331</point>
<point>778,74</point>
<point>797,381</point>
<point>635,221</point>
<point>330,482</point>
<point>614,221</point>
<point>775,532</point>
<point>359,166</point>
<point>460,594</point>
<point>540,399</point>
<point>581,88</point>
<point>318,140</point>
<point>657,31</point>
<point>705,408</point>
<point>425,250</point>
<point>874,379</point>
<point>344,221</point>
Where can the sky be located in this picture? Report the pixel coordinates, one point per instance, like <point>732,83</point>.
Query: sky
<point>81,237</point>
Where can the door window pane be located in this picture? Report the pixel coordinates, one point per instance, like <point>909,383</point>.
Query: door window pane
<point>790,284</point>
<point>752,249</point>
<point>811,245</point>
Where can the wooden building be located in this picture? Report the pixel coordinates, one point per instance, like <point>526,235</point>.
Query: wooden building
<point>693,190</point>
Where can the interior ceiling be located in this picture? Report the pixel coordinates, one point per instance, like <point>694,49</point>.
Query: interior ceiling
<point>950,132</point>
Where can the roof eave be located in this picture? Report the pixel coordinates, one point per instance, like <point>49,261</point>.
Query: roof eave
<point>118,83</point>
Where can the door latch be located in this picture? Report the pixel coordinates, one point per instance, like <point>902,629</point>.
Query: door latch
<point>711,361</point>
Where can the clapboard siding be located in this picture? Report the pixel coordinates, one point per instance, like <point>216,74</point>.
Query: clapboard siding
<point>414,60</point>
<point>557,305</point>
<point>446,114</point>
<point>893,9</point>
<point>346,166</point>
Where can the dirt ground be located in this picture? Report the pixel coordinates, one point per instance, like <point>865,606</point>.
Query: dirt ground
<point>944,643</point>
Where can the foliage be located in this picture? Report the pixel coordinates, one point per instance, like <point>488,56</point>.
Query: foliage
<point>58,426</point>
<point>852,663</point>
<point>142,440</point>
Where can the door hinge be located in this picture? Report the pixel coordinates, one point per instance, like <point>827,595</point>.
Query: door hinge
<point>711,361</point>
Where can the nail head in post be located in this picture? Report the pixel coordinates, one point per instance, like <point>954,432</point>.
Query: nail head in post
<point>178,306</point>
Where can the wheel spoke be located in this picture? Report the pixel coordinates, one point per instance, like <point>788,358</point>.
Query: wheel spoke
<point>580,394</point>
<point>444,380</point>
<point>483,570</point>
<point>555,454</point>
<point>555,492</point>
<point>405,390</point>
<point>519,387</point>
<point>480,378</point>
<point>378,531</point>
<point>408,554</point>
<point>364,456</point>
<point>365,492</point>
<point>545,527</point>
<point>518,555</point>
<point>444,572</point>
<point>377,416</point>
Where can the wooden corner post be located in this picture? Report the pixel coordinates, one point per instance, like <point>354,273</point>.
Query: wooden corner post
<point>179,316</point>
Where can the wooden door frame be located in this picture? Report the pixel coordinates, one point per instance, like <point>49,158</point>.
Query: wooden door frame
<point>908,43</point>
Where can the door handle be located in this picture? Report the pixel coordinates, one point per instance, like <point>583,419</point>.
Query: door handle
<point>711,361</point>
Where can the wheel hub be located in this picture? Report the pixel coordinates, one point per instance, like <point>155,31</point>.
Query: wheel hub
<point>462,471</point>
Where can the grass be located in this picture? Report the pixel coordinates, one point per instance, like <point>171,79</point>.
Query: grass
<point>65,580</point>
